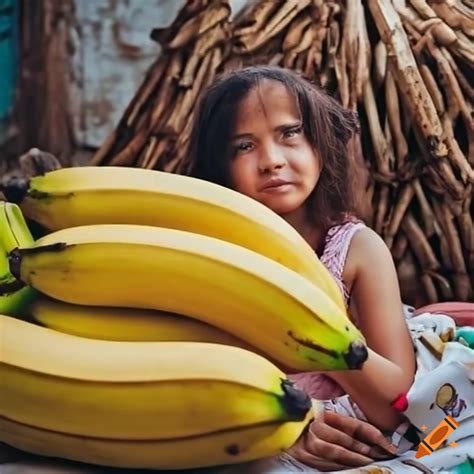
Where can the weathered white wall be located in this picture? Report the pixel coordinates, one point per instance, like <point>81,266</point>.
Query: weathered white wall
<point>112,53</point>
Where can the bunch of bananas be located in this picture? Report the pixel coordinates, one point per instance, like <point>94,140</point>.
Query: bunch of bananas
<point>118,324</point>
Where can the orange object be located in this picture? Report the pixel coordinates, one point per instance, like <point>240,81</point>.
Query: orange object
<point>435,438</point>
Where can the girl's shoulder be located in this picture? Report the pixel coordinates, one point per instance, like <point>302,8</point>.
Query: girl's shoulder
<point>336,247</point>
<point>367,257</point>
<point>367,244</point>
<point>340,235</point>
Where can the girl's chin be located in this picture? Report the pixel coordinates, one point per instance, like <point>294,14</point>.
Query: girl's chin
<point>283,206</point>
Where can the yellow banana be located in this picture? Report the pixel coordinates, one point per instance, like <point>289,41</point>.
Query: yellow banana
<point>14,233</point>
<point>239,291</point>
<point>79,196</point>
<point>124,324</point>
<point>139,404</point>
<point>214,449</point>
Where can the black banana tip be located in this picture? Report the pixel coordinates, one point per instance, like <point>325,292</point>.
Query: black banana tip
<point>14,188</point>
<point>356,355</point>
<point>12,282</point>
<point>14,261</point>
<point>296,402</point>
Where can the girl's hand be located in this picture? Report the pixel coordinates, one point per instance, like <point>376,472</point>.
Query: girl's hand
<point>334,441</point>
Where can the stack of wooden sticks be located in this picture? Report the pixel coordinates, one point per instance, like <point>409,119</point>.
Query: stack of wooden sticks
<point>402,64</point>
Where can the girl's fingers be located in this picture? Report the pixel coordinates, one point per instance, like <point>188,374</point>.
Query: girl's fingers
<point>370,434</point>
<point>360,430</point>
<point>332,435</point>
<point>328,444</point>
<point>376,452</point>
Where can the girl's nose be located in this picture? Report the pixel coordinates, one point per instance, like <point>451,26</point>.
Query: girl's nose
<point>271,158</point>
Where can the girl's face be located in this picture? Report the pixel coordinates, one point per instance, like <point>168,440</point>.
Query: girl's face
<point>271,159</point>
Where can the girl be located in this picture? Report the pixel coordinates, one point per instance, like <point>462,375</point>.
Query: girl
<point>270,134</point>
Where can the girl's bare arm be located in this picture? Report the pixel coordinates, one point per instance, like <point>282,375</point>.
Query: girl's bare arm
<point>390,367</point>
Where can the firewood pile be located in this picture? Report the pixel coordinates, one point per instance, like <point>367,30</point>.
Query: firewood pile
<point>404,65</point>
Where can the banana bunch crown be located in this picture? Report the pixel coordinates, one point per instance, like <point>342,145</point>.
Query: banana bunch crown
<point>14,233</point>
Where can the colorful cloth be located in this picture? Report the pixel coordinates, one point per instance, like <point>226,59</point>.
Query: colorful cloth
<point>443,386</point>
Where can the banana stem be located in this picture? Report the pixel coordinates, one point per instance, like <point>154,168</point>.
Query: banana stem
<point>15,189</point>
<point>296,402</point>
<point>11,287</point>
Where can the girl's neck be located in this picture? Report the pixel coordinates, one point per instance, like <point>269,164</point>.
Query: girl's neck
<point>309,230</point>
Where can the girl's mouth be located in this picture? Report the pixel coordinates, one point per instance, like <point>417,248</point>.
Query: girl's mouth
<point>278,189</point>
<point>275,185</point>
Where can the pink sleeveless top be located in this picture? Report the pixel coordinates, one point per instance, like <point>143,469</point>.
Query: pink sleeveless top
<point>337,242</point>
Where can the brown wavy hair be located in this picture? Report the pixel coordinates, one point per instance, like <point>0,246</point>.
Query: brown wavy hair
<point>327,125</point>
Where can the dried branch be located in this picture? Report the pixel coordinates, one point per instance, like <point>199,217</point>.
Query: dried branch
<point>407,76</point>
<point>403,201</point>
<point>393,116</point>
<point>419,244</point>
<point>199,24</point>
<point>248,42</point>
<point>380,64</point>
<point>427,215</point>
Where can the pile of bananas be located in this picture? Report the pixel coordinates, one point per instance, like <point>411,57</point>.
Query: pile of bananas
<point>152,324</point>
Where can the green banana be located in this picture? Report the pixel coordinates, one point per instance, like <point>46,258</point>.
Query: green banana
<point>14,233</point>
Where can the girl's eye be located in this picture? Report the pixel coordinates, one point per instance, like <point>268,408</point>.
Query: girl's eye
<point>242,147</point>
<point>292,132</point>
